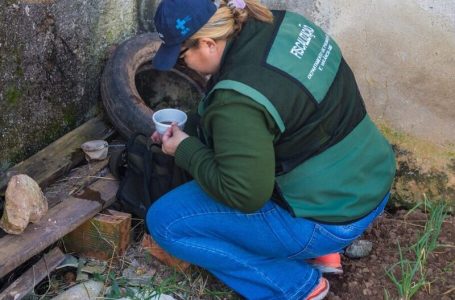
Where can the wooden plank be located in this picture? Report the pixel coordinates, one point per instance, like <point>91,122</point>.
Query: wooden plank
<point>60,220</point>
<point>76,180</point>
<point>59,157</point>
<point>27,281</point>
<point>102,191</point>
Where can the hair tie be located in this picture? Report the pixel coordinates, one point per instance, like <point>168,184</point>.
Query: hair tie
<point>236,4</point>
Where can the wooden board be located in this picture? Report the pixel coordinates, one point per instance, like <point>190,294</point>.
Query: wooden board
<point>59,157</point>
<point>60,220</point>
<point>27,281</point>
<point>102,191</point>
<point>76,180</point>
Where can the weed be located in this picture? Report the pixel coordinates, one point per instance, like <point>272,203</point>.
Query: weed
<point>409,275</point>
<point>182,286</point>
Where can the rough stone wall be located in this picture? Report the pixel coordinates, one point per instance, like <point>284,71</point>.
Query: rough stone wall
<point>402,53</point>
<point>51,58</point>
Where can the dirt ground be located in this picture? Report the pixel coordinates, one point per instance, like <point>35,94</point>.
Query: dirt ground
<point>366,278</point>
<point>363,278</point>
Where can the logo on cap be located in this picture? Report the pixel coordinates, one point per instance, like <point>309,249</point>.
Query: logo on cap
<point>161,36</point>
<point>180,24</point>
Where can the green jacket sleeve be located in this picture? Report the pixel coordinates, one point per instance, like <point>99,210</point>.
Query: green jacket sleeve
<point>238,168</point>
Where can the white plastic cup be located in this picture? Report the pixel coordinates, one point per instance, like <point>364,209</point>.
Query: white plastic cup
<point>95,150</point>
<point>163,119</point>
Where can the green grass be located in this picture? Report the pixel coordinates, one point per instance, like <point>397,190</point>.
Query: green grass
<point>409,274</point>
<point>194,285</point>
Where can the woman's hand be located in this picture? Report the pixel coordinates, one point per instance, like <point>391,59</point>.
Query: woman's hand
<point>171,139</point>
<point>156,138</point>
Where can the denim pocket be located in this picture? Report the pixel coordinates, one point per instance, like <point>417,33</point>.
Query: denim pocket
<point>283,234</point>
<point>324,241</point>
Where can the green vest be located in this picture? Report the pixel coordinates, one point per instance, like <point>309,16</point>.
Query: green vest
<point>333,165</point>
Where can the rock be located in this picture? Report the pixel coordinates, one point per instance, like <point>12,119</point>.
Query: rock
<point>69,261</point>
<point>89,290</point>
<point>367,292</point>
<point>24,203</point>
<point>359,249</point>
<point>69,278</point>
<point>353,285</point>
<point>94,267</point>
<point>137,274</point>
<point>332,296</point>
<point>147,294</point>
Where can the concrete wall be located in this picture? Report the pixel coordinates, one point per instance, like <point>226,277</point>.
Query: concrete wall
<point>403,55</point>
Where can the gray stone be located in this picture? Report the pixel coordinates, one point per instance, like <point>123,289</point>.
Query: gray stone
<point>89,290</point>
<point>359,249</point>
<point>69,261</point>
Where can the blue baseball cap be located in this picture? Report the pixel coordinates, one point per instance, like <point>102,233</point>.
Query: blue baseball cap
<point>176,21</point>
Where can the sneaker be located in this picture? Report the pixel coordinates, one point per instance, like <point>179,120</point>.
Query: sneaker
<point>330,263</point>
<point>320,291</point>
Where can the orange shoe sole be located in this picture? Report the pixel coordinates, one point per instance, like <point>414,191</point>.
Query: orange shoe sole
<point>330,263</point>
<point>320,291</point>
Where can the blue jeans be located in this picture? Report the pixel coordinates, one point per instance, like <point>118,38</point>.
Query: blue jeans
<point>261,255</point>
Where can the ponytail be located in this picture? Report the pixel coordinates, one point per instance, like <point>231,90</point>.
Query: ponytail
<point>258,11</point>
<point>228,20</point>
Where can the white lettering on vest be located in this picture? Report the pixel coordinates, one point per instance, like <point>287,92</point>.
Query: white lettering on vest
<point>322,56</point>
<point>303,40</point>
<point>324,59</point>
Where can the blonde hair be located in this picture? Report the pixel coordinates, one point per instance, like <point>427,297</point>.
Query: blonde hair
<point>228,21</point>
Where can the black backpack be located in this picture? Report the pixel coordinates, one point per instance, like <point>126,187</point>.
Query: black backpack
<point>145,174</point>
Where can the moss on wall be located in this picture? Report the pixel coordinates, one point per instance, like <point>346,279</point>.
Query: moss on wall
<point>11,2</point>
<point>424,170</point>
<point>429,154</point>
<point>13,95</point>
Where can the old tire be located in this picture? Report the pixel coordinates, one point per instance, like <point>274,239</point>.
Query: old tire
<point>123,104</point>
